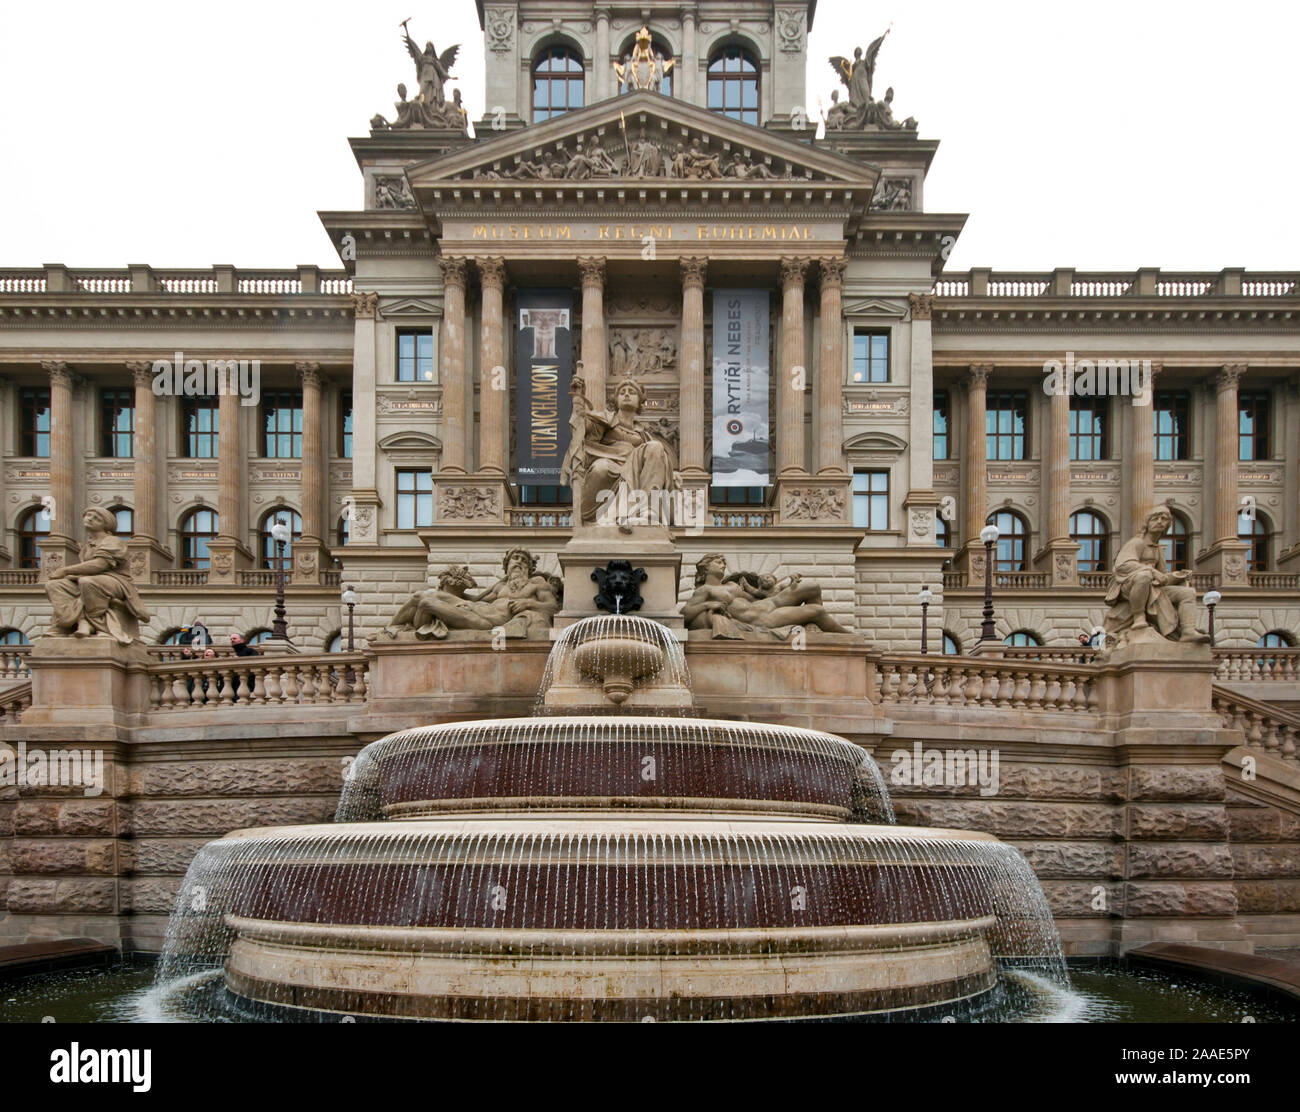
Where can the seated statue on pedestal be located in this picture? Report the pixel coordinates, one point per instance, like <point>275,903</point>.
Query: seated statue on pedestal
<point>753,607</point>
<point>1144,595</point>
<point>97,595</point>
<point>610,458</point>
<point>522,602</point>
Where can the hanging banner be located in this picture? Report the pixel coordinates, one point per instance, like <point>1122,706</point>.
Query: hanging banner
<point>741,367</point>
<point>543,371</point>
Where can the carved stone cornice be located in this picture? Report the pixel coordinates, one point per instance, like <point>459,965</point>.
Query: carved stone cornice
<point>364,305</point>
<point>454,270</point>
<point>491,272</point>
<point>977,378</point>
<point>309,373</point>
<point>693,270</point>
<point>832,270</point>
<point>1228,376</point>
<point>793,270</point>
<point>921,304</point>
<point>592,269</point>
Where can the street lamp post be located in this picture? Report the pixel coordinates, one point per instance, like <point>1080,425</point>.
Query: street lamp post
<point>1211,601</point>
<point>279,628</point>
<point>350,600</point>
<point>925,597</point>
<point>989,535</point>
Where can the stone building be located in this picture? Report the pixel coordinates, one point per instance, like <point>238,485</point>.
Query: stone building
<point>906,403</point>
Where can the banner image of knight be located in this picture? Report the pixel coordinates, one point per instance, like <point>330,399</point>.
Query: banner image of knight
<point>741,369</point>
<point>543,370</point>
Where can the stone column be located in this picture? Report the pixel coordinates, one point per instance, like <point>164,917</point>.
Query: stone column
<point>1142,460</point>
<point>147,550</point>
<point>61,547</point>
<point>830,369</point>
<point>1227,555</point>
<point>793,375</point>
<point>494,391</point>
<point>687,65</point>
<point>1059,556</point>
<point>691,408</point>
<point>604,74</point>
<point>592,269</point>
<point>920,503</point>
<point>1289,560</point>
<point>310,555</point>
<point>363,509</point>
<point>975,506</point>
<point>229,554</point>
<point>455,411</point>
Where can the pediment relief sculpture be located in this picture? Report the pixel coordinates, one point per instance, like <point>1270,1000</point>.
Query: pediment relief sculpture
<point>641,352</point>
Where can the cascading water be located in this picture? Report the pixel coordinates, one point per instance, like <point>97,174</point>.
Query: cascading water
<point>609,858</point>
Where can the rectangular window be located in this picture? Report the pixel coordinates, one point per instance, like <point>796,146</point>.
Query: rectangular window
<point>1006,424</point>
<point>870,357</point>
<point>1088,428</point>
<point>415,357</point>
<point>1252,425</point>
<point>545,495</point>
<point>199,428</point>
<point>34,422</point>
<point>116,422</point>
<point>345,424</point>
<point>871,500</point>
<point>414,498</point>
<point>942,445</point>
<point>1173,432</point>
<point>282,424</point>
<point>737,496</point>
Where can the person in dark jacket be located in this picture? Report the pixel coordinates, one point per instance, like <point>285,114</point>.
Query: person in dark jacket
<point>242,647</point>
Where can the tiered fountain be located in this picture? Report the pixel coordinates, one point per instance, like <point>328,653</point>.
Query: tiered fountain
<point>611,857</point>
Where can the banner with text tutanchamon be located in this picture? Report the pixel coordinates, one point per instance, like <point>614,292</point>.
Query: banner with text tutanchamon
<point>543,371</point>
<point>741,368</point>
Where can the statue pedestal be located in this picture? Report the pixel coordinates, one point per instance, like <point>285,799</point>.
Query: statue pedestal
<point>87,681</point>
<point>647,546</point>
<point>1154,683</point>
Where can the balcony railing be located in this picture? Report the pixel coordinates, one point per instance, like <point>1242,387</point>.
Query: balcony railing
<point>740,517</point>
<point>1002,580</point>
<point>1109,284</point>
<point>13,662</point>
<point>1258,665</point>
<point>18,577</point>
<point>539,517</point>
<point>955,681</point>
<point>1275,580</point>
<point>56,279</point>
<point>188,577</point>
<point>244,681</point>
<point>1266,728</point>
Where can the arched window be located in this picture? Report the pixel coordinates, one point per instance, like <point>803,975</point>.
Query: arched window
<point>733,84</point>
<point>125,520</point>
<point>558,82</point>
<point>1013,541</point>
<point>951,646</point>
<point>33,527</point>
<point>1021,638</point>
<point>662,52</point>
<point>198,527</point>
<point>942,532</point>
<point>344,529</point>
<point>1175,544</point>
<point>257,636</point>
<point>1253,529</point>
<point>335,643</point>
<point>1276,639</point>
<point>266,542</point>
<point>11,636</point>
<point>1093,538</point>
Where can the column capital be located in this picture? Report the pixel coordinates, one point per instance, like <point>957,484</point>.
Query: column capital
<point>921,304</point>
<point>491,271</point>
<point>309,373</point>
<point>831,270</point>
<point>793,269</point>
<point>59,372</point>
<point>364,305</point>
<point>592,269</point>
<point>141,372</point>
<point>693,270</point>
<point>453,269</point>
<point>1227,376</point>
<point>977,377</point>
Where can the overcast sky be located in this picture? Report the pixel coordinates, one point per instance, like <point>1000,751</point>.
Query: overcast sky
<point>1095,134</point>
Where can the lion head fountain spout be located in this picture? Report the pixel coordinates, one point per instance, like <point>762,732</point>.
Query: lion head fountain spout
<point>623,660</point>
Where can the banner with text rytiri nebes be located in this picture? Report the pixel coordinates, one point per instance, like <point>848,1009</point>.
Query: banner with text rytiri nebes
<point>740,387</point>
<point>543,371</point>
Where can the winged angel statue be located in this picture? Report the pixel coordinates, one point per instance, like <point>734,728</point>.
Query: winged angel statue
<point>862,111</point>
<point>432,69</point>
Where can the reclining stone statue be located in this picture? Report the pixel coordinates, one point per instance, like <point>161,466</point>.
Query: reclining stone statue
<point>1145,595</point>
<point>97,596</point>
<point>754,607</point>
<point>522,602</point>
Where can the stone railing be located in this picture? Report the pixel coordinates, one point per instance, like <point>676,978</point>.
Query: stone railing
<point>1049,654</point>
<point>184,577</point>
<point>1274,580</point>
<point>543,517</point>
<point>18,577</point>
<point>1265,727</point>
<point>13,662</point>
<point>1257,665</point>
<point>986,682</point>
<point>56,279</point>
<point>980,282</point>
<point>13,701</point>
<point>1094,580</point>
<point>246,681</point>
<point>741,517</point>
<point>1002,580</point>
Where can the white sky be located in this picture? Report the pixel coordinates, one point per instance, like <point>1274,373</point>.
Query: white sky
<point>1097,134</point>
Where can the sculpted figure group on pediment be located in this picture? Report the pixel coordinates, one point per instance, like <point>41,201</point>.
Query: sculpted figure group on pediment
<point>431,108</point>
<point>861,112</point>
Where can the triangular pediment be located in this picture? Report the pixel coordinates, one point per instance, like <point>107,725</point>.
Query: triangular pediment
<point>642,143</point>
